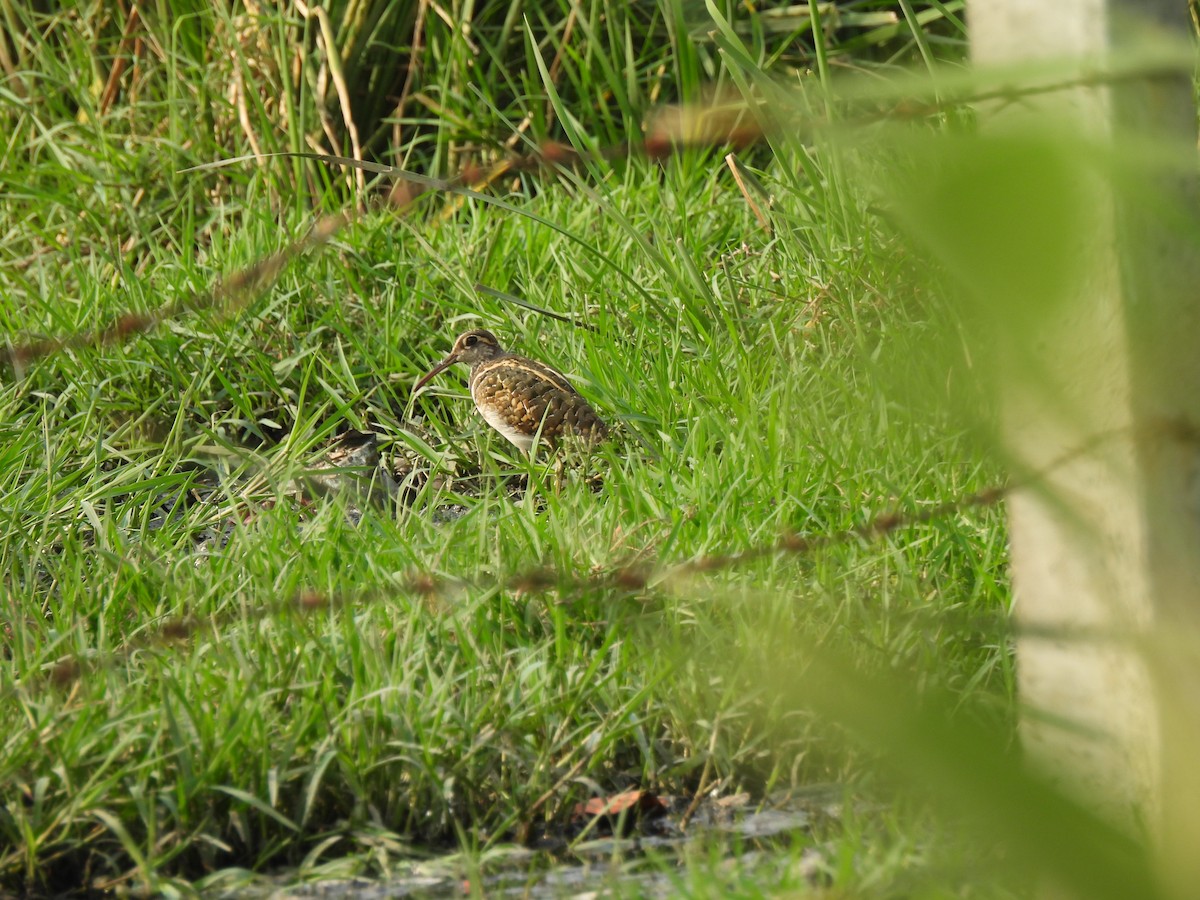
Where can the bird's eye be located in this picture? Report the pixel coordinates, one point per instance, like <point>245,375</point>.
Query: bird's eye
<point>471,341</point>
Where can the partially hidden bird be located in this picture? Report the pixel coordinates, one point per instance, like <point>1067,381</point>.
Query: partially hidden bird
<point>519,397</point>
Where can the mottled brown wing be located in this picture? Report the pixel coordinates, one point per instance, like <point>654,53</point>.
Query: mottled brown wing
<point>527,396</point>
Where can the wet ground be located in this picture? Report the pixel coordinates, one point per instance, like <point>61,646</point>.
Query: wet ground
<point>637,852</point>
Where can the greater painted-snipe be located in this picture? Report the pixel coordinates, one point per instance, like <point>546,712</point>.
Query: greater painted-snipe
<point>519,397</point>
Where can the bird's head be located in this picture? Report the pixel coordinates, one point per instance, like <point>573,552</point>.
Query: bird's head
<point>471,348</point>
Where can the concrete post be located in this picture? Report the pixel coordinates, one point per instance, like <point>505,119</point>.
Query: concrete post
<point>1106,555</point>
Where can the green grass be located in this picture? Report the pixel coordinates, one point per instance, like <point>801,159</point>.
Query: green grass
<point>762,416</point>
<point>172,710</point>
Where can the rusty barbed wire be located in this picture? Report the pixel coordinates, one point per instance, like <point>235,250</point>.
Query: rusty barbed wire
<point>671,130</point>
<point>626,578</point>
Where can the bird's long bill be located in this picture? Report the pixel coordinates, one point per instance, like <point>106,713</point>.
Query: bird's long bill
<point>446,363</point>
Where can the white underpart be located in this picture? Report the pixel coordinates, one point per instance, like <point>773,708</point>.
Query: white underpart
<point>522,441</point>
